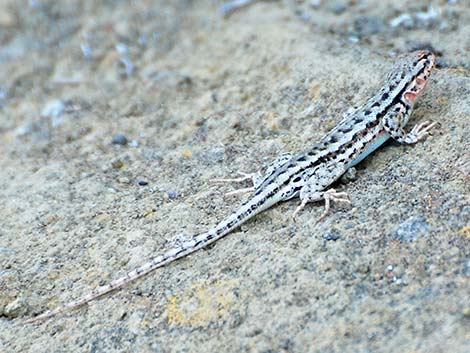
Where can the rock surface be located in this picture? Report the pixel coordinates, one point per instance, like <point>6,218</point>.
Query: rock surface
<point>203,96</point>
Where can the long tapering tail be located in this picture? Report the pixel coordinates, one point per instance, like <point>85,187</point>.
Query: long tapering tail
<point>245,212</point>
<point>184,249</point>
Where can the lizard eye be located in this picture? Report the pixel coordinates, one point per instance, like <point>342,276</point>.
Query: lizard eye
<point>420,81</point>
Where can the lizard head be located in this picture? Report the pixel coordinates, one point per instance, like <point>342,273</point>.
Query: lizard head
<point>416,69</point>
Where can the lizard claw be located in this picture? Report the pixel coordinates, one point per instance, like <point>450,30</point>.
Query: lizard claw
<point>332,195</point>
<point>298,209</point>
<point>329,196</point>
<point>243,177</point>
<point>239,191</point>
<point>422,130</point>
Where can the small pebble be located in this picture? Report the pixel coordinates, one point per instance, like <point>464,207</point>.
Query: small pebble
<point>187,153</point>
<point>3,94</point>
<point>466,312</point>
<point>403,19</point>
<point>117,164</point>
<point>353,39</point>
<point>128,66</point>
<point>142,182</point>
<point>124,180</point>
<point>172,195</point>
<point>303,16</point>
<point>53,109</point>
<point>411,229</point>
<point>142,40</point>
<point>350,175</point>
<point>332,236</point>
<point>16,308</point>
<point>133,108</point>
<point>216,154</point>
<point>235,320</point>
<point>315,3</point>
<point>27,128</point>
<point>466,268</point>
<point>185,81</point>
<point>86,49</point>
<point>338,8</point>
<point>121,48</point>
<point>367,25</point>
<point>429,17</point>
<point>364,268</point>
<point>119,139</point>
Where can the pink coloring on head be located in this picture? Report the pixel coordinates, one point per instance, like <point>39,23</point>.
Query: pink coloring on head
<point>416,86</point>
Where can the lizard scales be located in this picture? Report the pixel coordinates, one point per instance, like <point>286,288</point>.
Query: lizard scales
<point>309,174</point>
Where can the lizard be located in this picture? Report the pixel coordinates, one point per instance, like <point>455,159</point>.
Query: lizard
<point>311,173</point>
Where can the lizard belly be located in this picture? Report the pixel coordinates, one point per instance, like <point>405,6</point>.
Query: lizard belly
<point>371,147</point>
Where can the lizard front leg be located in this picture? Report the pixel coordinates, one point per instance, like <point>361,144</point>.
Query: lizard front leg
<point>395,120</point>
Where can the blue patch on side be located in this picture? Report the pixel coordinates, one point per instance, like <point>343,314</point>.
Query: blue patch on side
<point>368,150</point>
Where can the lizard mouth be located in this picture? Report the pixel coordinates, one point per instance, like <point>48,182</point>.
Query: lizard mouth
<point>417,87</point>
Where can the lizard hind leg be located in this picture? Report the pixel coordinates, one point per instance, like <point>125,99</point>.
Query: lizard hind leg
<point>308,195</point>
<point>243,176</point>
<point>255,178</point>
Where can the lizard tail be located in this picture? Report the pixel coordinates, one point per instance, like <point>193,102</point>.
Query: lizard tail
<point>245,212</point>
<point>184,249</point>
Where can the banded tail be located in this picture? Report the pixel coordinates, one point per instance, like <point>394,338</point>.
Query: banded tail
<point>244,213</point>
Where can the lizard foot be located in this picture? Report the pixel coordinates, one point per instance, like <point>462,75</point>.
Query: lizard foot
<point>239,191</point>
<point>420,131</point>
<point>332,195</point>
<point>328,196</point>
<point>243,176</point>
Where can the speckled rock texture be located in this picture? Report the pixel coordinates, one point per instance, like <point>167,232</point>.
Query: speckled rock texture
<point>116,115</point>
